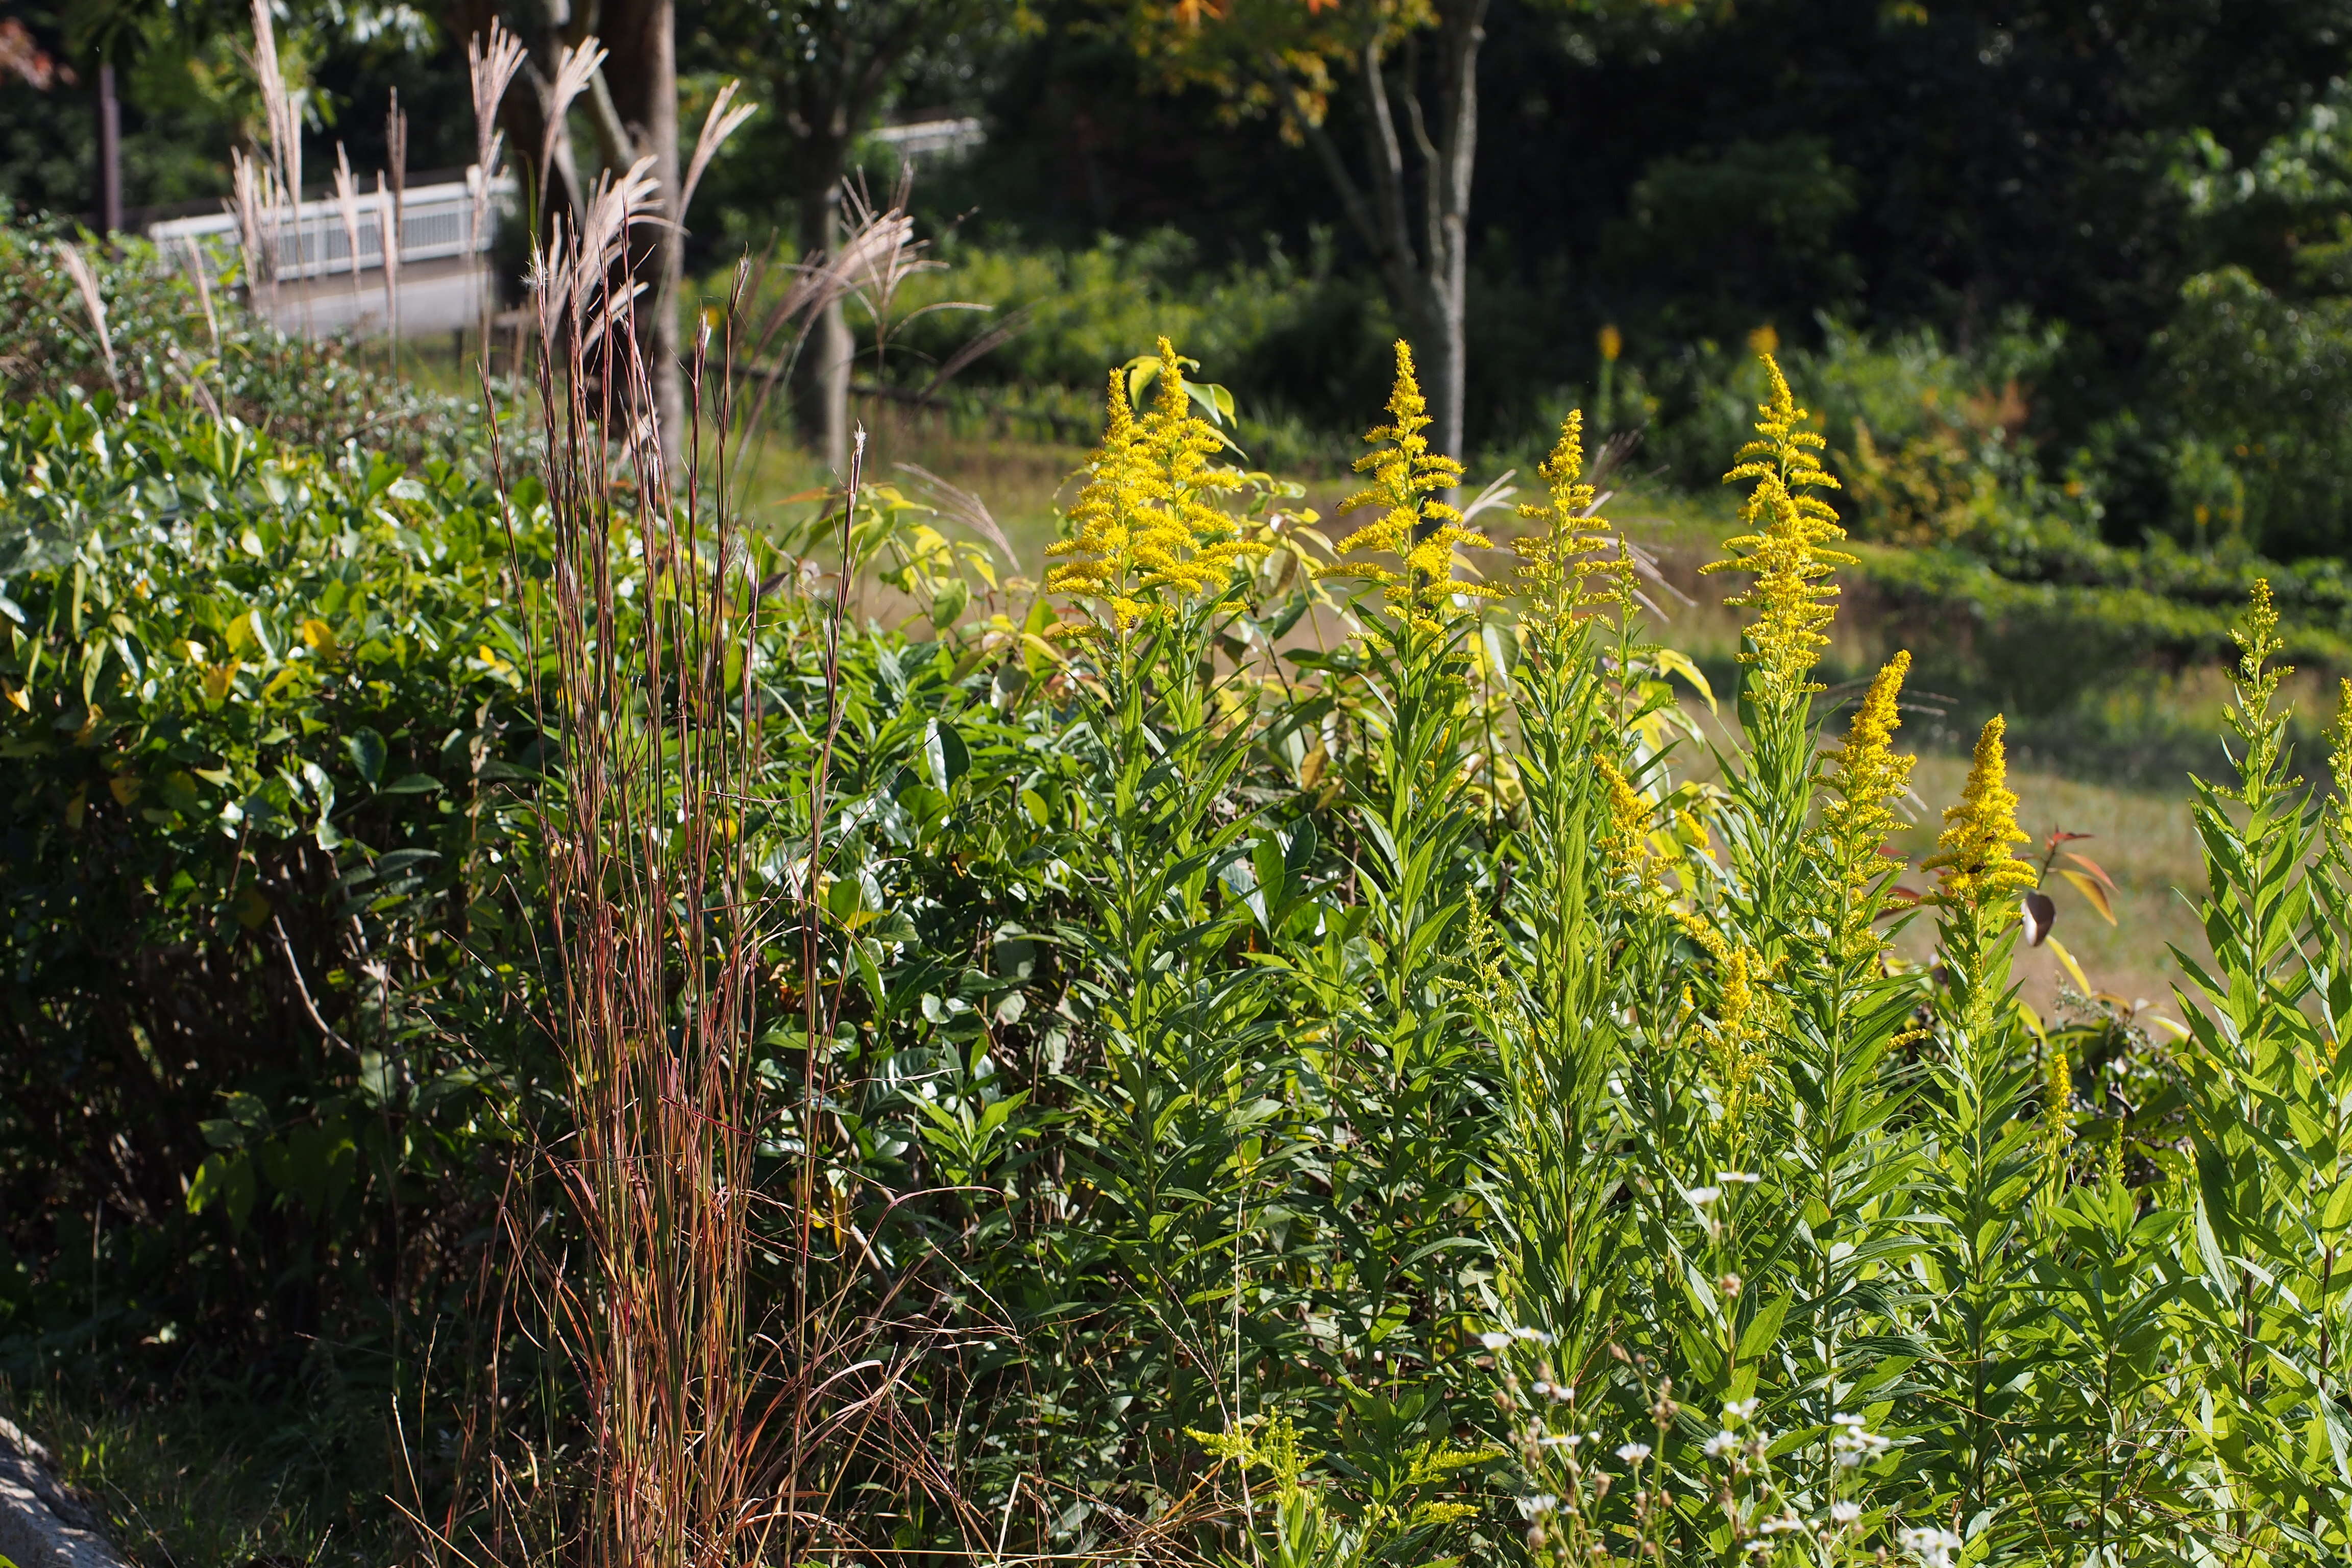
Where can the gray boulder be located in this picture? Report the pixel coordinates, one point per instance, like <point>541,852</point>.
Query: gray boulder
<point>41,1524</point>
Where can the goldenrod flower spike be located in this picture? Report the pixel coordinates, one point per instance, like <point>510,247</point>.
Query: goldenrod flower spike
<point>1870,772</point>
<point>1626,840</point>
<point>1144,527</point>
<point>1974,853</point>
<point>1789,552</point>
<point>1407,477</point>
<point>1559,566</point>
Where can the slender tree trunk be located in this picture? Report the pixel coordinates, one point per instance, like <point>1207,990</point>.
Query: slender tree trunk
<point>830,349</point>
<point>110,153</point>
<point>642,73</point>
<point>1424,260</point>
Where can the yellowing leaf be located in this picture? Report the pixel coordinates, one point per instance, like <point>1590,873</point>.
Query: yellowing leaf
<point>124,788</point>
<point>2093,891</point>
<point>2073,968</point>
<point>1672,661</point>
<point>16,695</point>
<point>217,680</point>
<point>320,636</point>
<point>250,908</point>
<point>2093,867</point>
<point>75,805</point>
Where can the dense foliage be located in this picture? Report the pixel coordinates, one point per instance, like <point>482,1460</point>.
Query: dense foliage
<point>1298,1101</point>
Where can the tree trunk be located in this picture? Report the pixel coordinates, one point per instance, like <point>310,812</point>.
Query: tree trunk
<point>1424,266</point>
<point>110,153</point>
<point>830,350</point>
<point>641,72</point>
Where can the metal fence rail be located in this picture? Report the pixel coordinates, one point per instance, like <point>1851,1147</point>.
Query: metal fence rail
<point>435,222</point>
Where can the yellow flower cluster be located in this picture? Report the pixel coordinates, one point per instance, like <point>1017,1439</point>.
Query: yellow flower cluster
<point>1575,565</point>
<point>1144,526</point>
<point>2058,1110</point>
<point>1788,550</point>
<point>1415,527</point>
<point>1736,1056</point>
<point>1973,854</point>
<point>1870,774</point>
<point>1625,842</point>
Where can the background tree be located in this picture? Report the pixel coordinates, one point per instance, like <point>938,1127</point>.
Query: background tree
<point>1409,71</point>
<point>825,73</point>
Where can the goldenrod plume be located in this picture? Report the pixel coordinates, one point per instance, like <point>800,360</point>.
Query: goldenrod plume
<point>1870,772</point>
<point>1143,527</point>
<point>1974,853</point>
<point>1625,842</point>
<point>1788,551</point>
<point>1415,527</point>
<point>1575,564</point>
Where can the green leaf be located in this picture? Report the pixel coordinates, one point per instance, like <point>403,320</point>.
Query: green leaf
<point>366,748</point>
<point>944,756</point>
<point>412,784</point>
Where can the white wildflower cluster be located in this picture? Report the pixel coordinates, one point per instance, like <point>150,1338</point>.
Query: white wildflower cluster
<point>1935,1548</point>
<point>1854,1443</point>
<point>1499,1339</point>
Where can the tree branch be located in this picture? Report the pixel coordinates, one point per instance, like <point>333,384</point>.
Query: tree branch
<point>1387,158</point>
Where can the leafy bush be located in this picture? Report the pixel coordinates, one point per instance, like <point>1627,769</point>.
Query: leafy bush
<point>165,346</point>
<point>257,705</point>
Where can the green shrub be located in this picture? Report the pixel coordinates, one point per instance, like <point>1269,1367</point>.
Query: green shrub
<point>166,347</point>
<point>259,705</point>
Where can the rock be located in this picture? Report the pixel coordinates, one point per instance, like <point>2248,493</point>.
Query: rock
<point>41,1524</point>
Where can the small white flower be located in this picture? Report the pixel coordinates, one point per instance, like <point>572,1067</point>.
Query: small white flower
<point>1543,1389</point>
<point>1703,1197</point>
<point>1722,1442</point>
<point>1538,1335</point>
<point>1739,1410</point>
<point>1746,1178</point>
<point>1780,1524</point>
<point>1540,1504</point>
<point>1633,1453</point>
<point>1844,1511</point>
<point>1494,1342</point>
<point>1935,1548</point>
<point>1556,1441</point>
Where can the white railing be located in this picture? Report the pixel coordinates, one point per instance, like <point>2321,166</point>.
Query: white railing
<point>924,137</point>
<point>435,222</point>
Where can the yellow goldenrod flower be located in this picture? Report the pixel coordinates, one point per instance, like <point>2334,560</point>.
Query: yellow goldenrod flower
<point>2340,749</point>
<point>1974,852</point>
<point>1144,526</point>
<point>1788,550</point>
<point>1736,1056</point>
<point>1625,842</point>
<point>1415,527</point>
<point>1575,564</point>
<point>1870,773</point>
<point>2058,1110</point>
